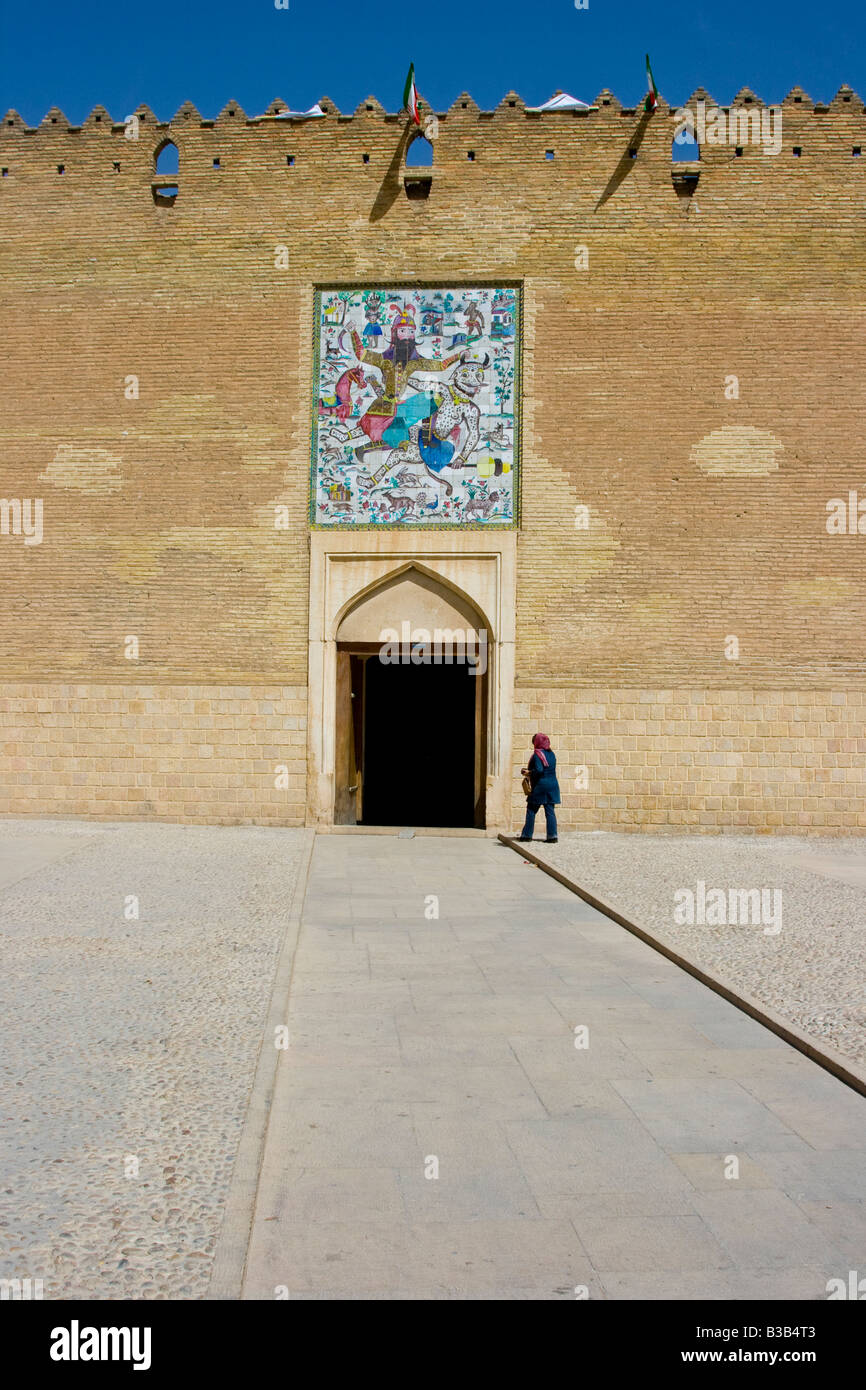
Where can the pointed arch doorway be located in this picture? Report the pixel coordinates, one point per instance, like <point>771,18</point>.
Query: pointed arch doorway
<point>411,706</point>
<point>474,574</point>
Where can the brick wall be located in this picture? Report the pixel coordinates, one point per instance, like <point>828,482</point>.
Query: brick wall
<point>705,515</point>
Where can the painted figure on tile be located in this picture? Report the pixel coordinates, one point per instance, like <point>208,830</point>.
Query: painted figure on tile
<point>474,320</point>
<point>390,417</point>
<point>373,314</point>
<point>416,385</point>
<point>446,437</point>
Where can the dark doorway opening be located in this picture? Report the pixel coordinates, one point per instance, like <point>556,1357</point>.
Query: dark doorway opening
<point>411,746</point>
<point>419,745</point>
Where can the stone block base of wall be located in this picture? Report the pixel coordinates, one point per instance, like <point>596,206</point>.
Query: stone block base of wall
<point>204,754</point>
<point>656,760</point>
<point>693,761</point>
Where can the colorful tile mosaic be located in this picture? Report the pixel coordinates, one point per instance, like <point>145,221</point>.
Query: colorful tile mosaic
<point>415,419</point>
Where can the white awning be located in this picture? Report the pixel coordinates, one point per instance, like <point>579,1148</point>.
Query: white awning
<point>561,101</point>
<point>293,115</point>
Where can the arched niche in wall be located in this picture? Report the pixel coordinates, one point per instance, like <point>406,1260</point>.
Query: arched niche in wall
<point>166,167</point>
<point>418,166</point>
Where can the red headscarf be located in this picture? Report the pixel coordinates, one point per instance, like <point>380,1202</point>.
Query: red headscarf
<point>540,742</point>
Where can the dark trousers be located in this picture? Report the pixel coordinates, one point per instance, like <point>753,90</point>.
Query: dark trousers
<point>549,815</point>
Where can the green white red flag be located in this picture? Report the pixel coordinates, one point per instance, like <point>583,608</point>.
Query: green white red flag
<point>410,95</point>
<point>652,98</point>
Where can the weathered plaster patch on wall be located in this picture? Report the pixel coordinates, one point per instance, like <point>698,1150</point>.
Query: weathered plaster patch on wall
<point>737,451</point>
<point>85,470</point>
<point>822,590</point>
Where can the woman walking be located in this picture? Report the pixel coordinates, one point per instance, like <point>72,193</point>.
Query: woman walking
<point>541,771</point>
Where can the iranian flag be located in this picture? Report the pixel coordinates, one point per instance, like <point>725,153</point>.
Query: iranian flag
<point>652,98</point>
<point>410,95</point>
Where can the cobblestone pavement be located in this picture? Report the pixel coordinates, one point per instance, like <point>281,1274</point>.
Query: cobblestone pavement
<point>812,972</point>
<point>439,1129</point>
<point>129,1044</point>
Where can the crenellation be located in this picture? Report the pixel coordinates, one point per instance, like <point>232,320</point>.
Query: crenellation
<point>607,103</point>
<point>231,113</point>
<point>99,120</point>
<point>370,106</point>
<point>847,100</point>
<point>55,117</point>
<point>186,112</point>
<point>463,104</point>
<point>588,130</point>
<point>512,101</point>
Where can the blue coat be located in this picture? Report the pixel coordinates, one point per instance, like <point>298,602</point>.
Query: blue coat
<point>545,788</point>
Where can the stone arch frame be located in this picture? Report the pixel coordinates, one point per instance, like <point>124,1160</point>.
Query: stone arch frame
<point>479,568</point>
<point>407,567</point>
<point>411,597</point>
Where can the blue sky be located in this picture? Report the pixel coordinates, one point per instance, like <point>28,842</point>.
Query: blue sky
<point>77,55</point>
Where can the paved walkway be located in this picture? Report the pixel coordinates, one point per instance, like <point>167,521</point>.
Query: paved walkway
<point>419,1044</point>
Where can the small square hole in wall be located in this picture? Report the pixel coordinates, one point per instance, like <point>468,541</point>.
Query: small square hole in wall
<point>738,151</point>
<point>632,154</point>
<point>856,150</point>
<point>116,167</point>
<point>470,154</point>
<point>4,173</point>
<point>464,104</point>
<point>797,151</point>
<point>290,160</point>
<point>366,158</point>
<point>61,168</point>
<point>548,154</point>
<point>216,164</point>
<point>99,118</point>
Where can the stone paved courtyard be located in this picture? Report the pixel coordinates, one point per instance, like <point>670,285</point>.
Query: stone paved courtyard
<point>812,972</point>
<point>416,1040</point>
<point>129,1040</point>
